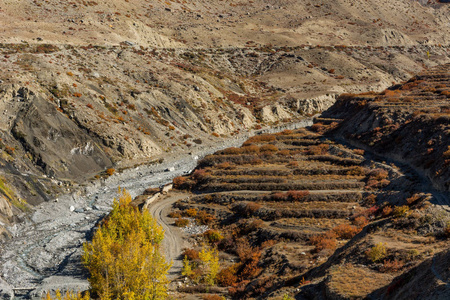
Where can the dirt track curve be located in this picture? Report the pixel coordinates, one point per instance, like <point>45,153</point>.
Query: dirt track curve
<point>173,242</point>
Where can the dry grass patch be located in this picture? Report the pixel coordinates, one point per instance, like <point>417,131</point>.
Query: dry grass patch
<point>353,282</point>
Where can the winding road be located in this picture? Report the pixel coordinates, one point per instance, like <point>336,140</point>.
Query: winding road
<point>173,242</point>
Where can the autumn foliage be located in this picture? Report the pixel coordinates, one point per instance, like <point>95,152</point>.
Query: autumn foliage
<point>124,258</point>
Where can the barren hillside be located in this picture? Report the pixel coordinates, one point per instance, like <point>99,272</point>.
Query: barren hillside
<point>225,23</point>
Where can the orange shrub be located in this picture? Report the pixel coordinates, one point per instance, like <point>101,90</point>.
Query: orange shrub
<point>297,195</point>
<point>320,149</point>
<point>227,276</point>
<point>181,222</point>
<point>391,266</point>
<point>358,151</point>
<point>268,148</point>
<point>324,241</point>
<point>360,222</point>
<point>110,171</point>
<point>387,211</point>
<point>212,297</point>
<point>251,208</point>
<point>190,212</point>
<point>345,231</point>
<point>191,254</point>
<point>204,218</point>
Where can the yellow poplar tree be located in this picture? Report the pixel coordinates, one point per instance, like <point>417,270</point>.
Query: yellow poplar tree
<point>210,261</point>
<point>124,258</point>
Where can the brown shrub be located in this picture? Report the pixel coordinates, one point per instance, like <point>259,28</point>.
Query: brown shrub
<point>360,222</point>
<point>297,195</point>
<point>250,149</point>
<point>251,208</point>
<point>191,254</point>
<point>190,212</point>
<point>226,165</point>
<point>268,148</point>
<point>262,138</point>
<point>180,222</point>
<point>174,214</point>
<point>320,149</point>
<point>204,218</point>
<point>227,276</point>
<point>391,266</point>
<point>345,231</point>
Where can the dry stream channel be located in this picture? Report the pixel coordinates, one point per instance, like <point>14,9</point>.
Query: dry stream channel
<point>44,253</point>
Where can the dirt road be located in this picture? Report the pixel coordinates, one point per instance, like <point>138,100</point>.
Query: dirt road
<point>173,242</point>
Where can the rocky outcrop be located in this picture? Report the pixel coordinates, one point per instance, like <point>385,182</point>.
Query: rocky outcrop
<point>6,291</point>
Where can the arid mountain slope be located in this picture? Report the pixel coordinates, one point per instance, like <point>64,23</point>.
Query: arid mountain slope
<point>409,122</point>
<point>225,23</point>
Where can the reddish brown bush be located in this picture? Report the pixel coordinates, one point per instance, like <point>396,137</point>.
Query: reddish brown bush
<point>360,222</point>
<point>204,218</point>
<point>262,138</point>
<point>174,214</point>
<point>227,276</point>
<point>191,254</point>
<point>320,149</point>
<point>179,182</point>
<point>297,195</point>
<point>251,208</point>
<point>268,148</point>
<point>391,266</point>
<point>181,222</point>
<point>345,231</point>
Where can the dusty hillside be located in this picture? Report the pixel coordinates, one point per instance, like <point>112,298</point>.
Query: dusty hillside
<point>225,23</point>
<point>304,213</point>
<point>70,114</point>
<point>408,122</point>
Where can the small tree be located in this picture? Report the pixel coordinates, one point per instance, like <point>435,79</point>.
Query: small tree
<point>210,263</point>
<point>377,252</point>
<point>124,258</point>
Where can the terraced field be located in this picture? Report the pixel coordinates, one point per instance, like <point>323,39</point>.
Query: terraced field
<point>292,197</point>
<point>303,212</point>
